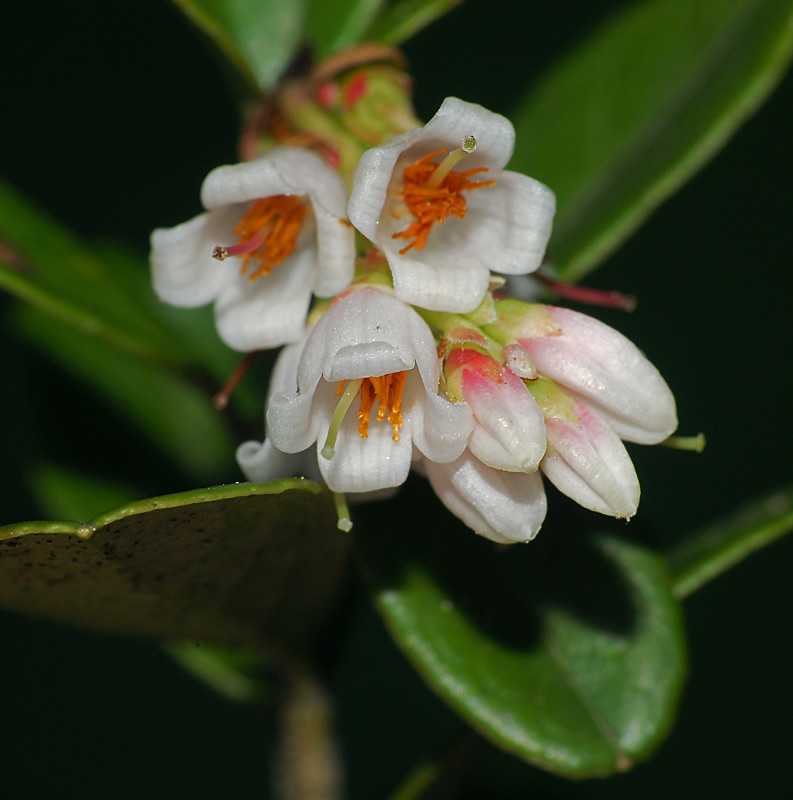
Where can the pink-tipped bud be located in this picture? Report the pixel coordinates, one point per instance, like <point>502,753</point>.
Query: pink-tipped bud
<point>509,433</point>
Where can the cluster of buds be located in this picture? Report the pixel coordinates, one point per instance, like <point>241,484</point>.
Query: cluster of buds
<point>376,268</point>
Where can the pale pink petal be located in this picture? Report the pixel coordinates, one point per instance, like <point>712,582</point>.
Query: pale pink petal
<point>506,507</point>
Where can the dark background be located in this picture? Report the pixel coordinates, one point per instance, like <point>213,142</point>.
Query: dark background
<point>111,117</point>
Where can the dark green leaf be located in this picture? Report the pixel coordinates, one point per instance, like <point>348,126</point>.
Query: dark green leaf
<point>717,548</point>
<point>330,27</point>
<point>570,656</point>
<point>258,37</point>
<point>629,115</point>
<point>65,493</point>
<point>405,18</point>
<point>247,564</point>
<point>169,410</point>
<point>108,299</point>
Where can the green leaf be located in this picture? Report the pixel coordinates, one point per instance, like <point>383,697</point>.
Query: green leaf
<point>571,657</point>
<point>331,27</point>
<point>405,18</point>
<point>109,299</point>
<point>69,494</point>
<point>257,37</point>
<point>169,410</point>
<point>239,674</point>
<point>627,117</point>
<point>718,547</point>
<point>247,564</point>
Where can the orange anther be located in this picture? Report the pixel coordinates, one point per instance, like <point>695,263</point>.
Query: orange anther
<point>433,204</point>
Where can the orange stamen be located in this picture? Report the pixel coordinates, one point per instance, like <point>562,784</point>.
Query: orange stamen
<point>387,391</point>
<point>430,204</point>
<point>267,233</point>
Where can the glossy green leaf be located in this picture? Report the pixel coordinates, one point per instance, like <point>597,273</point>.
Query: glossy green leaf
<point>570,657</point>
<point>718,547</point>
<point>330,27</point>
<point>257,37</point>
<point>405,18</point>
<point>631,113</point>
<point>171,412</point>
<point>246,564</point>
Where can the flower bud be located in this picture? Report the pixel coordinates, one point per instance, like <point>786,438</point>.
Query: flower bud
<point>594,363</point>
<point>509,433</point>
<point>585,458</point>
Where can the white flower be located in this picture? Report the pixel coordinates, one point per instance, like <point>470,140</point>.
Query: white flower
<point>368,344</point>
<point>443,237</point>
<point>506,507</point>
<point>283,215</point>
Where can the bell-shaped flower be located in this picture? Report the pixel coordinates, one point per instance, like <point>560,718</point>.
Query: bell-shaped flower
<point>368,345</point>
<point>506,507</point>
<point>509,433</point>
<point>275,231</point>
<point>593,363</point>
<point>442,229</point>
<point>585,458</point>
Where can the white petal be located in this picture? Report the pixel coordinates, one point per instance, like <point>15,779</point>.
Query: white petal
<point>440,429</point>
<point>292,425</point>
<point>260,462</point>
<point>282,170</point>
<point>269,310</point>
<point>183,270</point>
<point>365,465</point>
<point>594,362</point>
<point>506,507</point>
<point>438,285</point>
<point>456,119</point>
<point>589,464</point>
<point>336,253</point>
<point>508,225</point>
<point>363,334</point>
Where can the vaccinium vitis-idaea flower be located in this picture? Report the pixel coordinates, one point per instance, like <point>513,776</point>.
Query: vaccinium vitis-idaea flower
<point>275,231</point>
<point>368,345</point>
<point>444,229</point>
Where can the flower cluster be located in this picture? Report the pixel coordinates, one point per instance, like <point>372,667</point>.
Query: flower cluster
<point>406,359</point>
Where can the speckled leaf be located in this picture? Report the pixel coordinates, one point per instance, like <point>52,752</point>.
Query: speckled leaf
<point>245,564</point>
<point>258,37</point>
<point>570,657</point>
<point>625,119</point>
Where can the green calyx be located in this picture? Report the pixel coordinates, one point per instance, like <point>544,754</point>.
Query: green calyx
<point>517,320</point>
<point>555,403</point>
